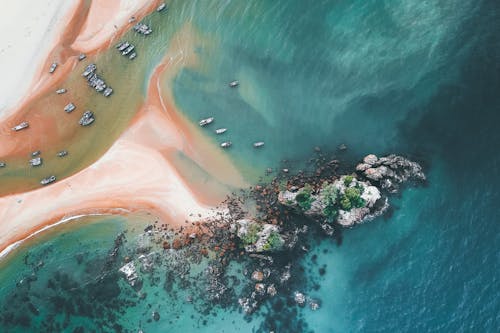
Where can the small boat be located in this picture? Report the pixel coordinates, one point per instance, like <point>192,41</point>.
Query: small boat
<point>220,130</point>
<point>48,180</point>
<point>205,122</point>
<point>119,45</point>
<point>128,50</point>
<point>21,126</point>
<point>132,19</point>
<point>89,69</point>
<point>37,161</point>
<point>87,118</point>
<point>107,92</point>
<point>2,164</point>
<point>143,29</point>
<point>53,67</point>
<point>234,84</point>
<point>35,153</point>
<point>62,153</point>
<point>69,108</point>
<point>258,144</point>
<point>60,91</point>
<point>161,7</point>
<point>226,144</point>
<point>123,46</point>
<point>81,56</point>
<point>132,56</point>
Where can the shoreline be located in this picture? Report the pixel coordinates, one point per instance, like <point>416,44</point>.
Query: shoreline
<point>142,164</point>
<point>7,250</point>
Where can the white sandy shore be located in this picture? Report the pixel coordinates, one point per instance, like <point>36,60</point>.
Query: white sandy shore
<point>28,31</point>
<point>131,175</point>
<point>104,20</point>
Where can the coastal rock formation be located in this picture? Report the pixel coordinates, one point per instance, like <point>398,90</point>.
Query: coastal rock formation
<point>390,171</point>
<point>346,201</point>
<point>258,237</point>
<point>349,200</point>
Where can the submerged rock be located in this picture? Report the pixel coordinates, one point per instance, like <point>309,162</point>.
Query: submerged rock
<point>299,298</point>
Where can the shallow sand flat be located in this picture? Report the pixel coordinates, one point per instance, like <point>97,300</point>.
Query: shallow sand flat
<point>137,173</point>
<point>107,18</point>
<point>26,43</point>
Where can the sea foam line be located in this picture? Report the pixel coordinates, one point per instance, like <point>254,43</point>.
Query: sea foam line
<point>15,245</point>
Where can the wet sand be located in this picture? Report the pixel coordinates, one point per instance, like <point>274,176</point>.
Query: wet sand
<point>141,171</point>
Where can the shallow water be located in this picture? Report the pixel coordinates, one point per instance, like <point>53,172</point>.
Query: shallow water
<point>416,78</point>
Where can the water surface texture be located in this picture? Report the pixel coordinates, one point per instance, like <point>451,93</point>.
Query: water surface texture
<point>420,78</point>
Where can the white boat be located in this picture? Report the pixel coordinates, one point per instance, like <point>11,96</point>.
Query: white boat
<point>258,144</point>
<point>62,153</point>
<point>107,92</point>
<point>234,84</point>
<point>60,91</point>
<point>220,130</point>
<point>81,56</point>
<point>2,164</point>
<point>37,161</point>
<point>161,7</point>
<point>87,118</point>
<point>226,144</point>
<point>21,126</point>
<point>53,67</point>
<point>69,108</point>
<point>48,180</point>
<point>206,121</point>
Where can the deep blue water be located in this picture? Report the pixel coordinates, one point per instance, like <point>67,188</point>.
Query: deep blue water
<point>415,78</point>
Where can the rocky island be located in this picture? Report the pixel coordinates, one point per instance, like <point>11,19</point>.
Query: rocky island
<point>289,215</point>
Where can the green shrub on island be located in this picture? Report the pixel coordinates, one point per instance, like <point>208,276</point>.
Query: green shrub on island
<point>352,198</point>
<point>345,203</point>
<point>304,198</point>
<point>330,195</point>
<point>274,242</point>
<point>251,236</point>
<point>348,180</point>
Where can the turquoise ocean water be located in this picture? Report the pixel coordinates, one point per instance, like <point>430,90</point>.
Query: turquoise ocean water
<point>420,78</point>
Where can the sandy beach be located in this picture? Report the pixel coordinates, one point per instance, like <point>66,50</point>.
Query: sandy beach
<point>141,170</point>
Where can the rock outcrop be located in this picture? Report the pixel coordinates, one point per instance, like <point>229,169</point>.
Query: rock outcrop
<point>346,201</point>
<point>350,200</point>
<point>259,237</point>
<point>389,172</point>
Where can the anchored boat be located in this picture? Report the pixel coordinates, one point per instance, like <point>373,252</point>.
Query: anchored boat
<point>37,161</point>
<point>2,164</point>
<point>62,153</point>
<point>89,69</point>
<point>107,92</point>
<point>81,56</point>
<point>226,144</point>
<point>234,84</point>
<point>258,144</point>
<point>21,126</point>
<point>205,122</point>
<point>48,180</point>
<point>161,7</point>
<point>87,118</point>
<point>220,130</point>
<point>60,91</point>
<point>53,67</point>
<point>69,108</point>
